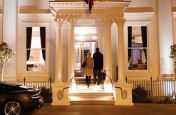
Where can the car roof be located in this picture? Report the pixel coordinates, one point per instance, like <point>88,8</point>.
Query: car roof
<point>8,83</point>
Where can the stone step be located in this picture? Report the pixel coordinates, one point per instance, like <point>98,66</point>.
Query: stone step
<point>92,94</point>
<point>81,80</point>
<point>92,102</point>
<point>92,99</point>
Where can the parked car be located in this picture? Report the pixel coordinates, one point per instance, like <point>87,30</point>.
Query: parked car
<point>15,99</point>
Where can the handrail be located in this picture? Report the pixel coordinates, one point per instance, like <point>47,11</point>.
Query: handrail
<point>123,92</point>
<point>69,83</point>
<point>60,93</point>
<point>109,79</point>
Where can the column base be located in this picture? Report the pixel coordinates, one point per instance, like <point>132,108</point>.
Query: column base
<point>60,96</point>
<point>124,97</point>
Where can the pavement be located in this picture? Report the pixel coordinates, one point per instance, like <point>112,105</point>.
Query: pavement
<point>137,109</point>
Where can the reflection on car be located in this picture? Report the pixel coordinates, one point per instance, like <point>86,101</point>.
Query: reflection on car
<point>14,99</point>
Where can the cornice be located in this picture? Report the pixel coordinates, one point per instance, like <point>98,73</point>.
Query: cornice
<point>34,10</point>
<point>83,5</point>
<point>174,9</point>
<point>138,9</point>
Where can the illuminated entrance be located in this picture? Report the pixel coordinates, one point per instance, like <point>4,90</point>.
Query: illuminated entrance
<point>85,41</point>
<point>80,39</point>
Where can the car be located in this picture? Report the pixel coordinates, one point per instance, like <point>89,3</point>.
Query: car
<point>15,99</point>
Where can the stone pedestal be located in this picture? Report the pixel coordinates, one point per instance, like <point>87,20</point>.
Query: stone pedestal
<point>123,97</point>
<point>60,96</point>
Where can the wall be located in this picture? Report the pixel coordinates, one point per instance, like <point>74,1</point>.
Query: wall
<point>165,36</point>
<point>9,33</point>
<point>173,2</point>
<point>36,3</point>
<point>141,3</point>
<point>1,8</point>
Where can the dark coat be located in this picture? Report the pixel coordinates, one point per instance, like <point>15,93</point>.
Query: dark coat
<point>98,61</point>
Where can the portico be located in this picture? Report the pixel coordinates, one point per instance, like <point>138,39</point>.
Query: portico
<point>66,15</point>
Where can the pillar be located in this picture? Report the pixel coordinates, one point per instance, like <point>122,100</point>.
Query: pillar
<point>59,95</point>
<point>155,65</point>
<point>70,48</point>
<point>123,92</point>
<point>120,52</point>
<point>165,22</point>
<point>58,52</point>
<point>107,47</point>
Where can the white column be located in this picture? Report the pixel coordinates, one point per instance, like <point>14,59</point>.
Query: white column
<point>165,17</point>
<point>121,61</point>
<point>107,47</point>
<point>155,65</point>
<point>58,52</point>
<point>70,48</point>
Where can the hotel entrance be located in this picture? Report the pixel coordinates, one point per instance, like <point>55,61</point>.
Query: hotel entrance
<point>85,41</point>
<point>84,33</point>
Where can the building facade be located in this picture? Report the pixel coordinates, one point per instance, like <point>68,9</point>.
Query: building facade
<point>140,50</point>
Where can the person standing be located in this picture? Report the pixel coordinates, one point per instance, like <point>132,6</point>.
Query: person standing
<point>98,66</point>
<point>89,68</point>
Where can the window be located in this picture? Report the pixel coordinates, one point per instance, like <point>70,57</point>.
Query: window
<point>35,48</point>
<point>137,47</point>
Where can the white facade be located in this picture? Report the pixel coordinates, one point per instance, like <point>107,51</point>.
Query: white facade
<point>19,14</point>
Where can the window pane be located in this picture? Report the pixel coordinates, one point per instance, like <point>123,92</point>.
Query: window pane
<point>137,60</point>
<point>137,48</point>
<point>35,57</point>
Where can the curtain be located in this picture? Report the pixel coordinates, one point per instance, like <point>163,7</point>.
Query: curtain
<point>43,38</point>
<point>144,39</point>
<point>129,41</point>
<point>28,41</point>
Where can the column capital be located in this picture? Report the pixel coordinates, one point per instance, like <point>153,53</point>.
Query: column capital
<point>59,22</point>
<point>71,22</point>
<point>107,21</point>
<point>120,21</point>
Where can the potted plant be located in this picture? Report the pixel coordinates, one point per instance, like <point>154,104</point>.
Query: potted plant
<point>6,55</point>
<point>173,56</point>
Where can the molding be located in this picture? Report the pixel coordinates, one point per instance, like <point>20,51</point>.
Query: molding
<point>31,9</point>
<point>174,9</point>
<point>66,10</point>
<point>138,9</point>
<point>32,76</point>
<point>83,5</point>
<point>140,16</point>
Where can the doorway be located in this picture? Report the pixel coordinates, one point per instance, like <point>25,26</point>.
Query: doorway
<point>81,49</point>
<point>85,41</point>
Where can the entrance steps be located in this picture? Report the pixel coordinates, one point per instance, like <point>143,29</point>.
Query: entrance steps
<point>95,94</point>
<point>81,80</point>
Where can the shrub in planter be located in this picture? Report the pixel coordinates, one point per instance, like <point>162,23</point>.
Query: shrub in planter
<point>46,94</point>
<point>139,95</point>
<point>169,100</point>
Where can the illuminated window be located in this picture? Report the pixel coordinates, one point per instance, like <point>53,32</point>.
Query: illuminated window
<point>137,47</point>
<point>35,48</point>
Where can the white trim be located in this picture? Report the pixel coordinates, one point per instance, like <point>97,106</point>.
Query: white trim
<point>37,20</point>
<point>143,73</point>
<point>83,5</point>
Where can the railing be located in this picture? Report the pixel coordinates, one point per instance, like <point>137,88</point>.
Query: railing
<point>156,87</point>
<point>123,92</point>
<point>34,84</point>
